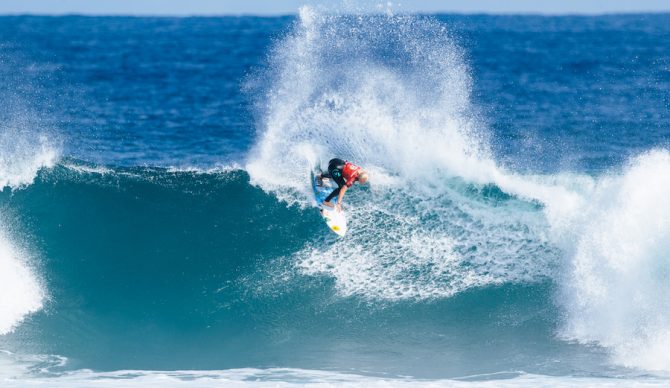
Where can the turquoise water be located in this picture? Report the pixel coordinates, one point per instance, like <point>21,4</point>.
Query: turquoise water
<point>157,224</point>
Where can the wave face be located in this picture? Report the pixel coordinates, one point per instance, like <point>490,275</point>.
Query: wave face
<point>135,257</point>
<point>465,257</point>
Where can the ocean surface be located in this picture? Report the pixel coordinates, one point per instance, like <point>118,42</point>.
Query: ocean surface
<point>157,226</point>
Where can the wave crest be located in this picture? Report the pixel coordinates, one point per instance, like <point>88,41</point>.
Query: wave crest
<point>22,155</point>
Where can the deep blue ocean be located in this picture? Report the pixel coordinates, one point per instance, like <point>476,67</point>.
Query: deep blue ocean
<point>157,226</point>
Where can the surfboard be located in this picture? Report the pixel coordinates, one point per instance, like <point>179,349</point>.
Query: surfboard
<point>336,220</point>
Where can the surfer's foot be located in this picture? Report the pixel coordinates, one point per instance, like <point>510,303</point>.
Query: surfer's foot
<point>329,204</point>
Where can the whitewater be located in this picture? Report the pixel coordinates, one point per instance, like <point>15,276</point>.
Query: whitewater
<point>453,255</point>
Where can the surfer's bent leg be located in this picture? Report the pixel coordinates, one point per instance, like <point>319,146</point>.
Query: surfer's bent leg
<point>335,167</point>
<point>332,195</point>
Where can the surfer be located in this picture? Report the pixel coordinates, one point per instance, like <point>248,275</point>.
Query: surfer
<point>345,174</point>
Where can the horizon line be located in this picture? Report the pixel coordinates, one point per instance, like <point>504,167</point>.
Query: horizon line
<point>293,14</point>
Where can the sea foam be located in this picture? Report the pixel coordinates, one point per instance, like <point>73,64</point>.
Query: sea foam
<point>20,290</point>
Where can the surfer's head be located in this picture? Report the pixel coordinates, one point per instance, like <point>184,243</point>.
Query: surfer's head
<point>363,177</point>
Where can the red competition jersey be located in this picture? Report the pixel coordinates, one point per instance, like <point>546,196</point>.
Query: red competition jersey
<point>350,173</point>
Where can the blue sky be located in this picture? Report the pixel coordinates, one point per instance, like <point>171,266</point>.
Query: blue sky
<point>270,7</point>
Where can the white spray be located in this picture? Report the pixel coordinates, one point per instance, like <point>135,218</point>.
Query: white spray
<point>393,93</point>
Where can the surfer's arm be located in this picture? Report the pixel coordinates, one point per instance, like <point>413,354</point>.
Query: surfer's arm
<point>343,190</point>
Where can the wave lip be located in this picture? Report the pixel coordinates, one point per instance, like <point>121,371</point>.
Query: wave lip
<point>21,158</point>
